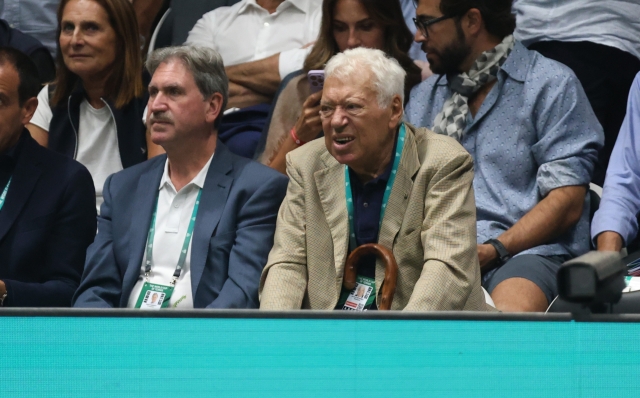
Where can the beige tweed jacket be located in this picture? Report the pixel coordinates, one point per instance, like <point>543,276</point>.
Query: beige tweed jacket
<point>429,223</point>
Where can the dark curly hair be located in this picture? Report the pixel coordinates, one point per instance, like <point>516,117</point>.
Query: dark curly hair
<point>496,14</point>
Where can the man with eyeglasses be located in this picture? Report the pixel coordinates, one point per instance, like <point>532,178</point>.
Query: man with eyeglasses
<point>374,179</point>
<point>534,138</point>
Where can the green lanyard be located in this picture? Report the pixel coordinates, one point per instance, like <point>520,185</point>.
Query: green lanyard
<point>4,193</point>
<point>185,245</point>
<point>387,192</point>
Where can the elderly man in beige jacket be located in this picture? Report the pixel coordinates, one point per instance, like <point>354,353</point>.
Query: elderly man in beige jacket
<point>374,179</point>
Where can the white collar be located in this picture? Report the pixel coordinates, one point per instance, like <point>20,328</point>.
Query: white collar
<point>198,180</point>
<point>302,5</point>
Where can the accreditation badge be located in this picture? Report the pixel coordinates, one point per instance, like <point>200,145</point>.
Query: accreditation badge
<point>154,297</point>
<point>361,297</point>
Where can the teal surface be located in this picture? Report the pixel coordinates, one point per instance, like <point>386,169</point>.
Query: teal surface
<point>183,357</point>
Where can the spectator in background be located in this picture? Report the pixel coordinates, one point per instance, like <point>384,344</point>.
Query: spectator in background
<point>346,24</point>
<point>146,13</point>
<point>93,112</point>
<point>426,217</point>
<point>47,213</point>
<point>415,52</point>
<point>600,41</point>
<point>259,41</point>
<point>195,225</point>
<point>615,224</point>
<point>38,53</point>
<point>36,18</point>
<point>528,125</point>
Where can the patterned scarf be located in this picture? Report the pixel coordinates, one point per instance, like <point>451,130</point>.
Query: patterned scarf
<point>452,120</point>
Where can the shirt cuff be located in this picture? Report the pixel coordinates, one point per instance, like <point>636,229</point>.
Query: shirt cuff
<point>563,173</point>
<point>612,217</point>
<point>292,60</point>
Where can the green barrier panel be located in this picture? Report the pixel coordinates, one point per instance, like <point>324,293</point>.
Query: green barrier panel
<point>60,356</point>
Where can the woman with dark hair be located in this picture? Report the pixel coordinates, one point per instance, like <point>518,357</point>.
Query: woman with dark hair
<point>93,111</point>
<point>345,24</point>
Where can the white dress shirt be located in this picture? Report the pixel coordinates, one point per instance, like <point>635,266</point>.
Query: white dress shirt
<point>172,221</point>
<point>247,32</point>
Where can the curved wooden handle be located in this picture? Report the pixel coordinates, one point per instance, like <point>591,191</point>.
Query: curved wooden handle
<point>390,271</point>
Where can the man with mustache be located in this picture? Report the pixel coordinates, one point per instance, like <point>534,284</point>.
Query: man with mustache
<point>195,224</point>
<point>534,138</point>
<point>374,179</point>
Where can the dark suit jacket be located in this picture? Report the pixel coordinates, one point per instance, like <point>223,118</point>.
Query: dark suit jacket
<point>231,240</point>
<point>46,224</point>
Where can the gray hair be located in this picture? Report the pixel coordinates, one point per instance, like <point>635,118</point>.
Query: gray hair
<point>205,64</point>
<point>386,73</point>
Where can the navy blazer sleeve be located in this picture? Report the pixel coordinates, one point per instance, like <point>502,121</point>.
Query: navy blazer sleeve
<point>101,285</point>
<point>74,228</point>
<point>256,224</point>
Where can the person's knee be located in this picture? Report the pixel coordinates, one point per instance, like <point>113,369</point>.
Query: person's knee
<point>519,295</point>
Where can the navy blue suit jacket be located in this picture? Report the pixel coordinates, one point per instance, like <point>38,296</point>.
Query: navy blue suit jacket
<point>46,224</point>
<point>232,236</point>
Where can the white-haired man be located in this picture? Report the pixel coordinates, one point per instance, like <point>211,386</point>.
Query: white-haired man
<point>374,179</point>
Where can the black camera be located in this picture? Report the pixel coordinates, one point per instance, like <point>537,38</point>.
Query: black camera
<point>595,280</point>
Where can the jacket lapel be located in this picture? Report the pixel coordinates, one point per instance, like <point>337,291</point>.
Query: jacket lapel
<point>23,181</point>
<point>399,197</point>
<point>144,202</point>
<point>330,183</point>
<point>216,189</point>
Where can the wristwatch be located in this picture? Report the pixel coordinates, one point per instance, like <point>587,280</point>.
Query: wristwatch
<point>503,254</point>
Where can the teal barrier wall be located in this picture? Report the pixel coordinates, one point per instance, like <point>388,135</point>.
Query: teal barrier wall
<point>183,357</point>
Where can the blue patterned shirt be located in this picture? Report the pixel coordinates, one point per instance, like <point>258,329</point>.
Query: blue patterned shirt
<point>534,132</point>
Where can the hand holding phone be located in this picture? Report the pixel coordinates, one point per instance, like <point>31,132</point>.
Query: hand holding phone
<point>316,80</point>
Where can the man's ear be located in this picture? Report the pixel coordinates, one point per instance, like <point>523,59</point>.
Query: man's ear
<point>28,109</point>
<point>473,22</point>
<point>215,107</point>
<point>396,111</point>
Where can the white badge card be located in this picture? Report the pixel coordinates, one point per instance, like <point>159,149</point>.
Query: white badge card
<point>361,297</point>
<point>154,297</point>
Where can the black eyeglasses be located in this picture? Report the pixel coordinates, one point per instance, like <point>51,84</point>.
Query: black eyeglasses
<point>423,25</point>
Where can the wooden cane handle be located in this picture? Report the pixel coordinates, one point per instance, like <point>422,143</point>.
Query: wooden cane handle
<point>390,271</point>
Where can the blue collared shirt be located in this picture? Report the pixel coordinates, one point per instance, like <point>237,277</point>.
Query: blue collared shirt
<point>36,18</point>
<point>534,132</point>
<point>621,193</point>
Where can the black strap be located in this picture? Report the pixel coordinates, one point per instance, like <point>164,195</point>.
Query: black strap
<point>503,253</point>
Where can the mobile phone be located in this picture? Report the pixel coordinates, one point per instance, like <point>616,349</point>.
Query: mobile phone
<point>316,80</point>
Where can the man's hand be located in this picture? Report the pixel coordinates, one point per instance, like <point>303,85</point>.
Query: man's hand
<point>241,97</point>
<point>487,255</point>
<point>3,288</point>
<point>609,241</point>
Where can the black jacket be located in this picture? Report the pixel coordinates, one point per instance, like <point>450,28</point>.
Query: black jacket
<point>63,130</point>
<point>46,224</point>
